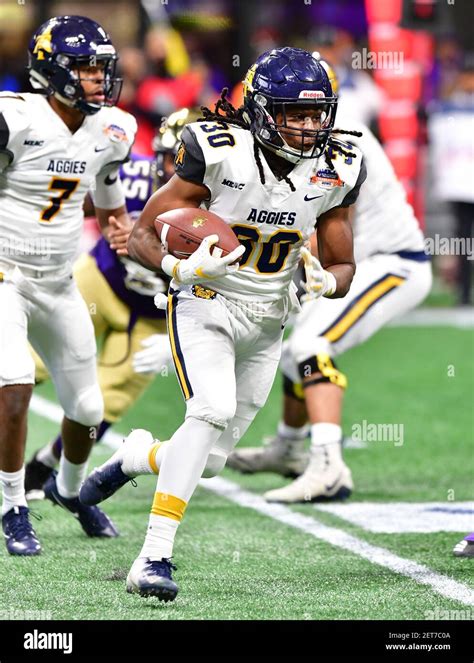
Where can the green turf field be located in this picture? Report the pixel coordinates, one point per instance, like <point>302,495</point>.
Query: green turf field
<point>237,562</point>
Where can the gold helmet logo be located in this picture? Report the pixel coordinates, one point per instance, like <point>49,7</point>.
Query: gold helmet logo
<point>43,43</point>
<point>248,80</point>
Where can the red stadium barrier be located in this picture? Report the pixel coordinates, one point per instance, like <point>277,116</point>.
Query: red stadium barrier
<point>403,85</point>
<point>403,155</point>
<point>422,49</point>
<point>389,38</point>
<point>383,10</point>
<point>398,119</point>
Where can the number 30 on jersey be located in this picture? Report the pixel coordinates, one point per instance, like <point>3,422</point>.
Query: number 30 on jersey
<point>270,254</point>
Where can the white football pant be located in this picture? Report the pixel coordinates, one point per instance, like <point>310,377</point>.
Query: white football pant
<point>50,312</point>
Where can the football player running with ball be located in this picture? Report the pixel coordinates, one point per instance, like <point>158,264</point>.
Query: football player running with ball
<point>54,147</point>
<point>253,167</point>
<point>393,276</point>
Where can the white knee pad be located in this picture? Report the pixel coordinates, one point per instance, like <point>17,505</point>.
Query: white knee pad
<point>217,414</point>
<point>88,407</point>
<point>304,345</point>
<point>215,463</point>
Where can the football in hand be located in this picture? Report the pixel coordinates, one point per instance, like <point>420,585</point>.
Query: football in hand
<point>181,231</point>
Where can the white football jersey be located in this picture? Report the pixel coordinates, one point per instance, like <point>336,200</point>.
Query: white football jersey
<point>270,220</point>
<point>384,221</point>
<point>47,171</point>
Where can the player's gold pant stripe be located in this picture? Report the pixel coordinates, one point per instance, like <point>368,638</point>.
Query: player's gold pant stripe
<point>1,277</point>
<point>180,370</point>
<point>362,305</point>
<point>151,457</point>
<point>168,506</point>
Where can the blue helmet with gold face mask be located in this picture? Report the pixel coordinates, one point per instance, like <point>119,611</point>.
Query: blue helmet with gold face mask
<point>280,80</point>
<point>62,45</point>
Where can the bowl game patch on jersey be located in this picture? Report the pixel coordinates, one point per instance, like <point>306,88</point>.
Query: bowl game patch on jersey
<point>326,179</point>
<point>116,133</point>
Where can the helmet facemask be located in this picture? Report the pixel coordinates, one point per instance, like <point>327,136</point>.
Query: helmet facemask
<point>57,75</point>
<point>273,131</point>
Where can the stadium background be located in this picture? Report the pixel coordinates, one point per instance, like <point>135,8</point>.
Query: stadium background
<point>420,372</point>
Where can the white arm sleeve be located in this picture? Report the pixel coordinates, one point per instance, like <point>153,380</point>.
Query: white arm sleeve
<point>108,193</point>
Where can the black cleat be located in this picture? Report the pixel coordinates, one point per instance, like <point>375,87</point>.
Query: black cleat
<point>36,475</point>
<point>152,578</point>
<point>20,537</point>
<point>94,522</point>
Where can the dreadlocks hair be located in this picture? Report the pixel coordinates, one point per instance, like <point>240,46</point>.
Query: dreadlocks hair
<point>256,153</point>
<point>230,114</point>
<point>334,145</point>
<point>233,115</point>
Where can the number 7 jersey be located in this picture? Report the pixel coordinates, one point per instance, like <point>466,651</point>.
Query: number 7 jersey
<point>269,219</point>
<point>45,173</point>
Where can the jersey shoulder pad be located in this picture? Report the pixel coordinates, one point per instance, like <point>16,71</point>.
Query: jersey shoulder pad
<point>11,95</point>
<point>120,128</point>
<point>346,160</point>
<point>216,140</point>
<point>16,117</point>
<point>190,161</point>
<point>16,112</point>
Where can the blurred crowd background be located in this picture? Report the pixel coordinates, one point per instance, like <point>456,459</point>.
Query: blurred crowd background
<point>405,67</point>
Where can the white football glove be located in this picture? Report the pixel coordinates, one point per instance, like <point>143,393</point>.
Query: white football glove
<point>202,265</point>
<point>319,282</point>
<point>155,356</point>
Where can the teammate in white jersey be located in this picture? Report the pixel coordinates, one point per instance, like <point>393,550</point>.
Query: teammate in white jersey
<point>55,146</point>
<point>393,276</point>
<point>257,168</point>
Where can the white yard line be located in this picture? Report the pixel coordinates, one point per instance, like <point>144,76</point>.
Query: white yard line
<point>437,317</point>
<point>440,584</point>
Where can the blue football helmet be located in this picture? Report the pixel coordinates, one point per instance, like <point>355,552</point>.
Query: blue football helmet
<point>280,79</point>
<point>59,47</point>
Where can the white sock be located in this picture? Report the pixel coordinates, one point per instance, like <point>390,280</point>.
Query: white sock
<point>70,477</point>
<point>159,538</point>
<point>46,456</point>
<point>292,433</point>
<point>181,467</point>
<point>13,484</point>
<point>159,455</point>
<point>329,436</point>
<point>137,461</point>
